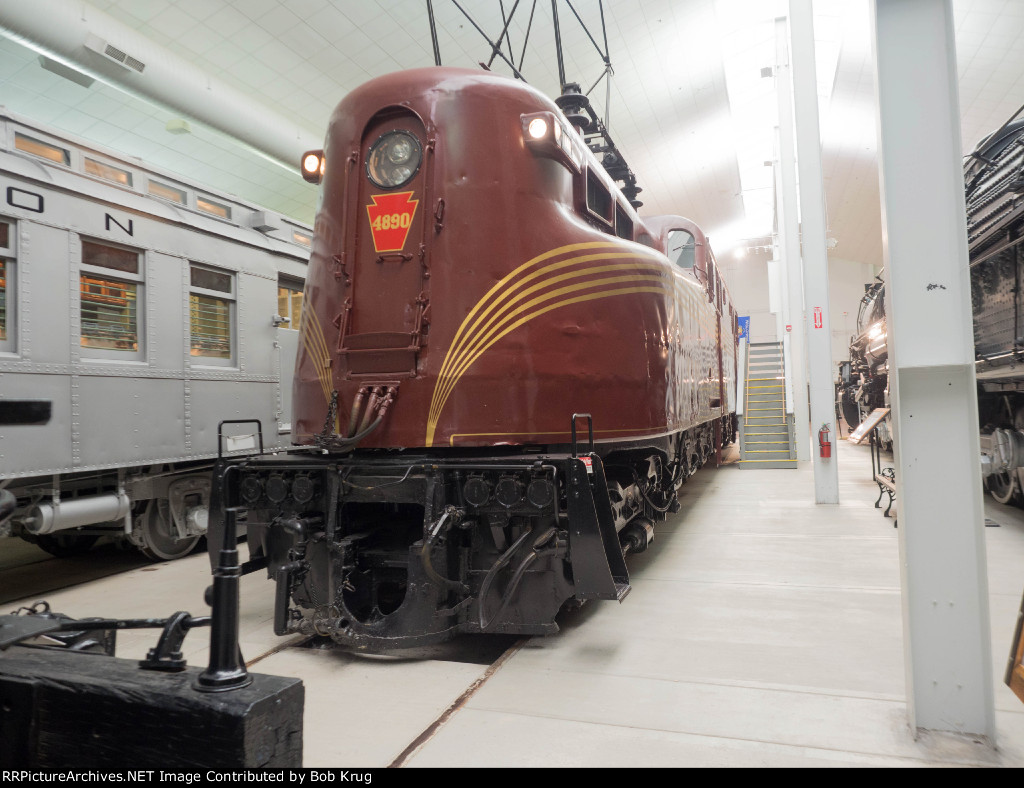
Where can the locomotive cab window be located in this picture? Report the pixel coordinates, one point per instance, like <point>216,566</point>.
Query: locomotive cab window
<point>7,287</point>
<point>289,302</point>
<point>623,224</point>
<point>110,295</point>
<point>211,315</point>
<point>681,248</point>
<point>599,199</point>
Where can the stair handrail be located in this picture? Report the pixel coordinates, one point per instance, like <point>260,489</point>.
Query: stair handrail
<point>741,377</point>
<point>787,374</point>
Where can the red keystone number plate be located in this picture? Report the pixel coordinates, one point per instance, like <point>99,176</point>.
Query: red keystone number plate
<point>391,217</point>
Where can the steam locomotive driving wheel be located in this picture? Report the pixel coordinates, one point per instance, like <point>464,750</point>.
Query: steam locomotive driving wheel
<point>1004,487</point>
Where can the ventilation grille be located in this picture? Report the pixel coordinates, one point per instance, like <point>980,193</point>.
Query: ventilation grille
<point>115,53</point>
<point>111,52</point>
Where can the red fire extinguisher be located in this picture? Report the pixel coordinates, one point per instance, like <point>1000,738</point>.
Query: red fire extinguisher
<point>824,445</point>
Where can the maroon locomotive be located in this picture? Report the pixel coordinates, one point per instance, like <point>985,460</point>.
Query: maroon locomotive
<point>505,374</point>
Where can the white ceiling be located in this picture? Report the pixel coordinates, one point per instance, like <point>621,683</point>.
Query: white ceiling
<point>689,108</point>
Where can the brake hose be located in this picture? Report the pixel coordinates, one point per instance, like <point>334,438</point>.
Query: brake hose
<point>428,545</point>
<point>545,537</point>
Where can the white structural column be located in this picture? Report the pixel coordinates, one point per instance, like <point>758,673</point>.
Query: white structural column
<point>789,241</point>
<point>947,642</point>
<point>778,295</point>
<point>814,254</point>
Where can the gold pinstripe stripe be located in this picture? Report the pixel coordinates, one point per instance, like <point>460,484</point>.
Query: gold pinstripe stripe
<point>682,298</point>
<point>471,340</point>
<point>482,341</point>
<point>502,290</point>
<point>432,423</point>
<point>313,341</point>
<point>538,259</point>
<point>317,334</point>
<point>463,344</point>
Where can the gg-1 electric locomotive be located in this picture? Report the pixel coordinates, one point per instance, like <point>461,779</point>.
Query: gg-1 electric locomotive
<point>505,375</point>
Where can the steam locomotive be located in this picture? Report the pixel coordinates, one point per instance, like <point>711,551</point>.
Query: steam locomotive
<point>994,225</point>
<point>864,379</point>
<point>504,374</point>
<point>995,222</point>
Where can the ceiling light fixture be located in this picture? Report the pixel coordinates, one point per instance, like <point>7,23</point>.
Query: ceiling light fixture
<point>178,126</point>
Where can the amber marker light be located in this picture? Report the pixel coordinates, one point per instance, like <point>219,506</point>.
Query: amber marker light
<point>313,166</point>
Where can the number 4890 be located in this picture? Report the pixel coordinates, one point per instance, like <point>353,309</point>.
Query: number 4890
<point>392,221</point>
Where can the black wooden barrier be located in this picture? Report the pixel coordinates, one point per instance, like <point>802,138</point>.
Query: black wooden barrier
<point>73,710</point>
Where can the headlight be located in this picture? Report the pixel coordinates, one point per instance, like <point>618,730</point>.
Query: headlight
<point>538,128</point>
<point>394,159</point>
<point>313,166</point>
<point>545,134</point>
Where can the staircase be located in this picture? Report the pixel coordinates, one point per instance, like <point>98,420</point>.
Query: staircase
<point>766,434</point>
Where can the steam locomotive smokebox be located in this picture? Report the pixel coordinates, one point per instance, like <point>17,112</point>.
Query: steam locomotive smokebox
<point>66,710</point>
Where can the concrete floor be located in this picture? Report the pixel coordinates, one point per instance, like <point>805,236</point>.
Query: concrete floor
<point>762,630</point>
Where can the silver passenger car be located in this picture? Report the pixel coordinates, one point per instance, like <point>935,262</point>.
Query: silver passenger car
<point>147,310</point>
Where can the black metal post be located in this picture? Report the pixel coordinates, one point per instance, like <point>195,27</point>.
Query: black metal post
<point>526,39</point>
<point>226,670</point>
<point>504,34</point>
<point>433,33</point>
<point>558,45</point>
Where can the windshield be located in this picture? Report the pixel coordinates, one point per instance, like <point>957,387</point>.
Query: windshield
<point>681,248</point>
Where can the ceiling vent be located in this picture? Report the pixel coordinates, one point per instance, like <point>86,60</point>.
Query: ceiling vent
<point>111,52</point>
<point>265,222</point>
<point>67,72</point>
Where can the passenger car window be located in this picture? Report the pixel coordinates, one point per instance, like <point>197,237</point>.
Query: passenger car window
<point>7,287</point>
<point>110,294</point>
<point>289,302</point>
<point>211,314</point>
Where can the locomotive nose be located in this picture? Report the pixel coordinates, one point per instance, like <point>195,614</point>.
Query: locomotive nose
<point>387,298</point>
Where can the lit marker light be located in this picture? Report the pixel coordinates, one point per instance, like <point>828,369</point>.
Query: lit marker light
<point>313,166</point>
<point>538,128</point>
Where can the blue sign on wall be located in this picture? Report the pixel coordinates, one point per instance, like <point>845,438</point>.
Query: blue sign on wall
<point>744,328</point>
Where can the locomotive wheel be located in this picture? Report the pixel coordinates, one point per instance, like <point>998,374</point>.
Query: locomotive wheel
<point>1003,487</point>
<point>66,545</point>
<point>159,540</point>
